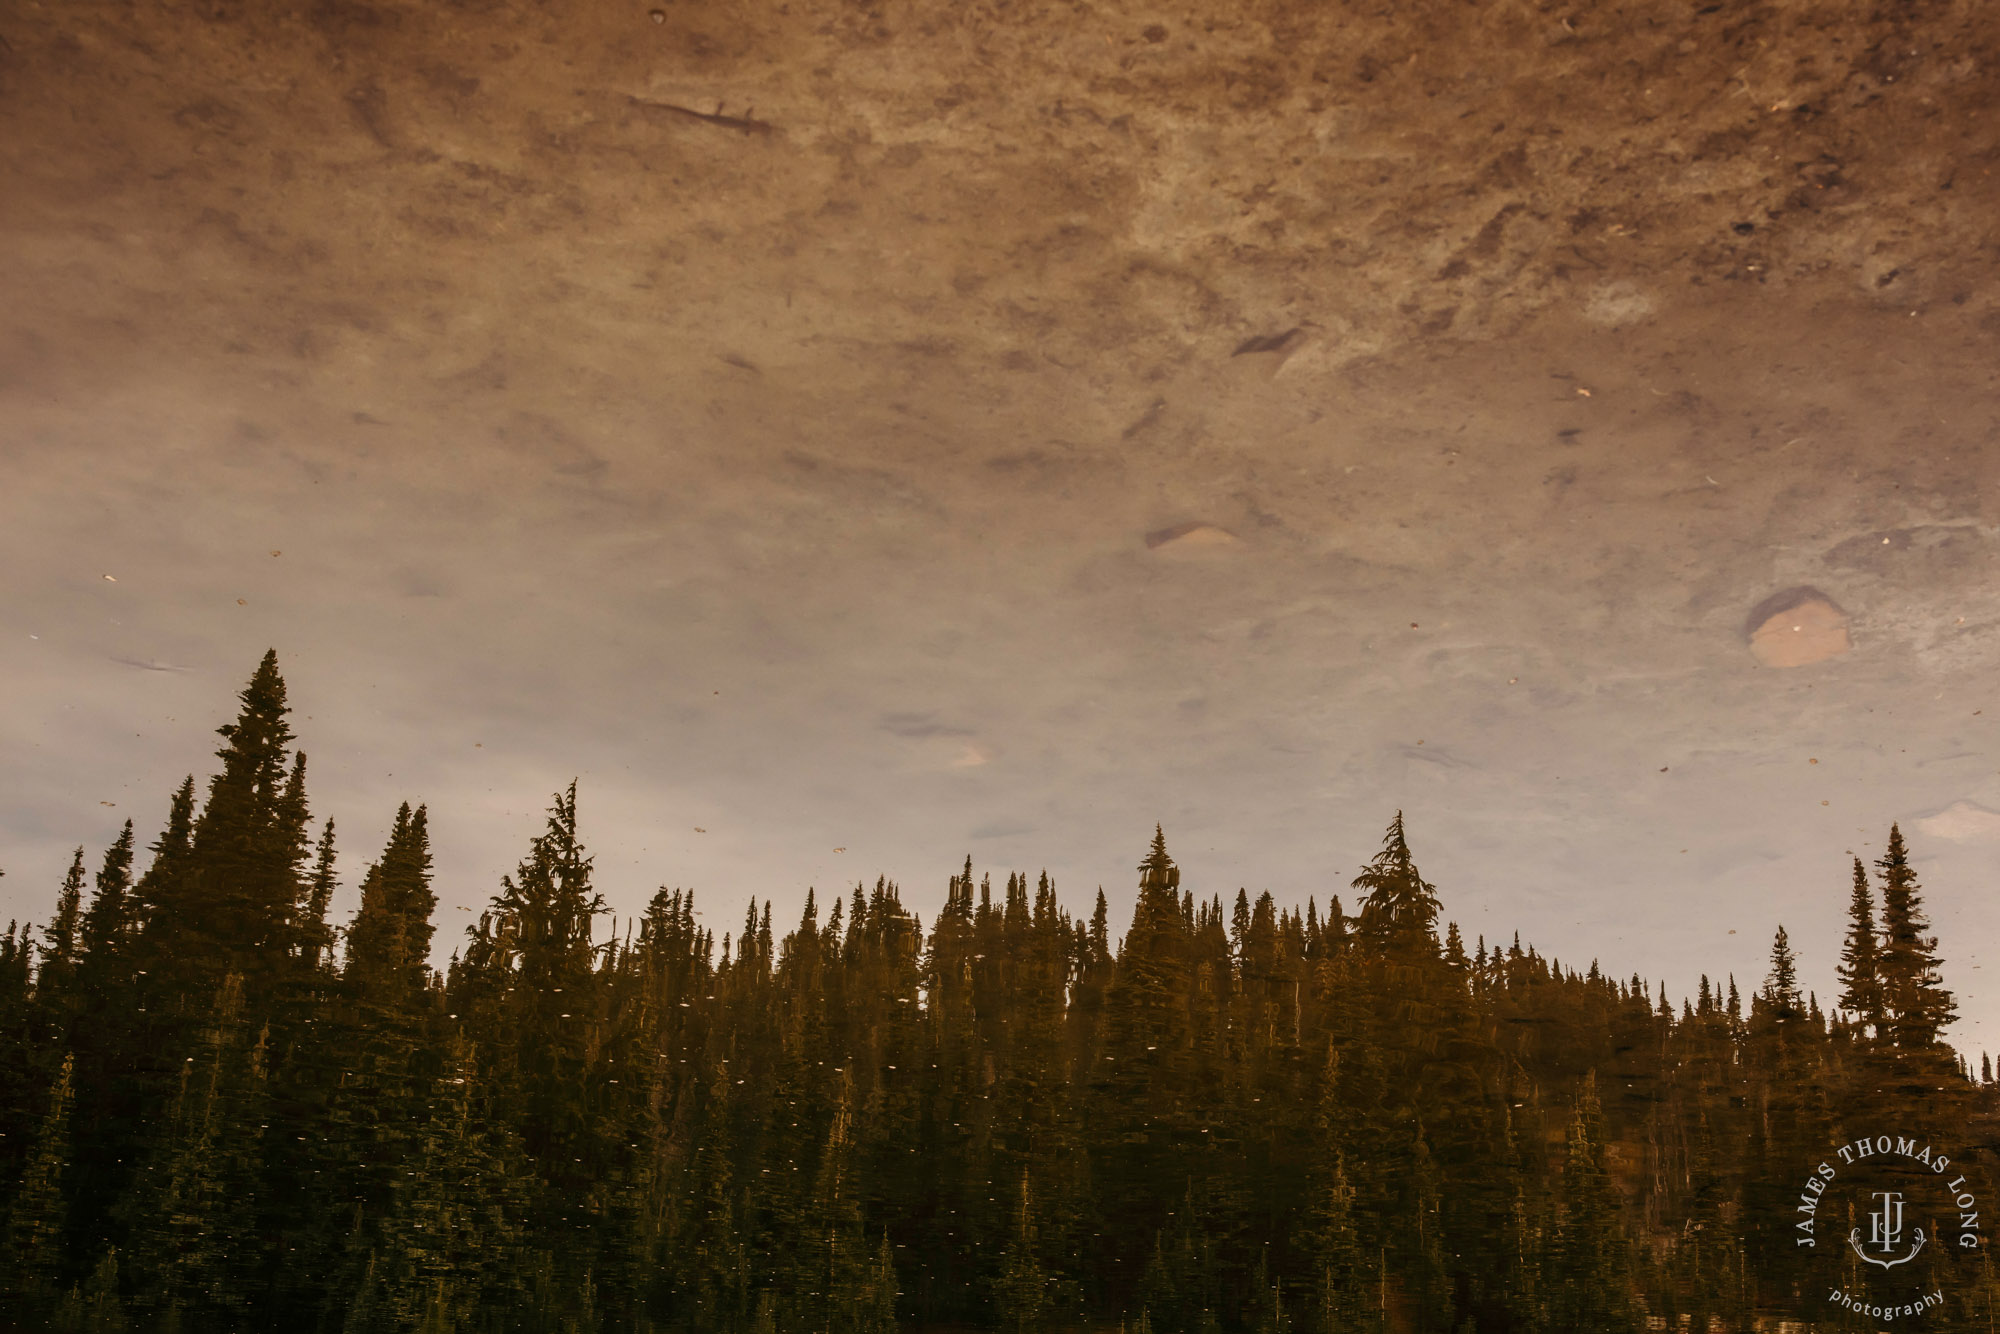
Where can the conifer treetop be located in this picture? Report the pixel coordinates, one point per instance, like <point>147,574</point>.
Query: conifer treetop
<point>1158,869</point>
<point>1915,1004</point>
<point>1781,988</point>
<point>1400,907</point>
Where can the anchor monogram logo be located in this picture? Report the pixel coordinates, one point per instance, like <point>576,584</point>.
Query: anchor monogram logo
<point>1885,1232</point>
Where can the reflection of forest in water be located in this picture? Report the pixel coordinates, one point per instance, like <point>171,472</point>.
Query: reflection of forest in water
<point>220,1112</point>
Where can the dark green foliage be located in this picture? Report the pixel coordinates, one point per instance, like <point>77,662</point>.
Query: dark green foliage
<point>62,951</point>
<point>161,895</point>
<point>106,938</point>
<point>374,1039</point>
<point>538,1002</point>
<point>196,1248</point>
<point>23,1050</point>
<point>1588,1290</point>
<point>1860,969</point>
<point>1239,1117</point>
<point>31,1250</point>
<point>450,1248</point>
<point>315,934</point>
<point>230,908</point>
<point>1021,1292</point>
<point>1399,911</point>
<point>836,1282</point>
<point>1781,988</point>
<point>389,944</point>
<point>1916,1007</point>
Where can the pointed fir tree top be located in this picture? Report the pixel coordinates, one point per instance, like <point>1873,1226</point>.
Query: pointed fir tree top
<point>116,873</point>
<point>60,935</point>
<point>410,843</point>
<point>1902,904</point>
<point>315,936</point>
<point>110,915</point>
<point>1400,908</point>
<point>1861,914</point>
<point>1781,988</point>
<point>323,857</point>
<point>295,786</point>
<point>552,885</point>
<point>159,889</point>
<point>1393,841</point>
<point>175,838</point>
<point>1100,928</point>
<point>1158,870</point>
<point>1915,1005</point>
<point>259,733</point>
<point>1896,854</point>
<point>1859,969</point>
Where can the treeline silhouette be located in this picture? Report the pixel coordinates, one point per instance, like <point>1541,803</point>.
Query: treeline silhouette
<point>219,1112</point>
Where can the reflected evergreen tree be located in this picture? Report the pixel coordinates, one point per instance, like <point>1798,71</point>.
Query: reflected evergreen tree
<point>1916,1006</point>
<point>1141,1094</point>
<point>1399,908</point>
<point>62,953</point>
<point>373,1038</point>
<point>1781,988</point>
<point>101,1033</point>
<point>1860,969</point>
<point>105,939</point>
<point>161,897</point>
<point>316,937</point>
<point>227,906</point>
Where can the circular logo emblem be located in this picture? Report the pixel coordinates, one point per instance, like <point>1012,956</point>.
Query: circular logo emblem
<point>1890,1221</point>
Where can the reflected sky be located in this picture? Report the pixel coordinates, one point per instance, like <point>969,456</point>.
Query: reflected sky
<point>850,439</point>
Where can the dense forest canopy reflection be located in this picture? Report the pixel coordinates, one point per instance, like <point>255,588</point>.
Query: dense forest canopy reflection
<point>221,1111</point>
